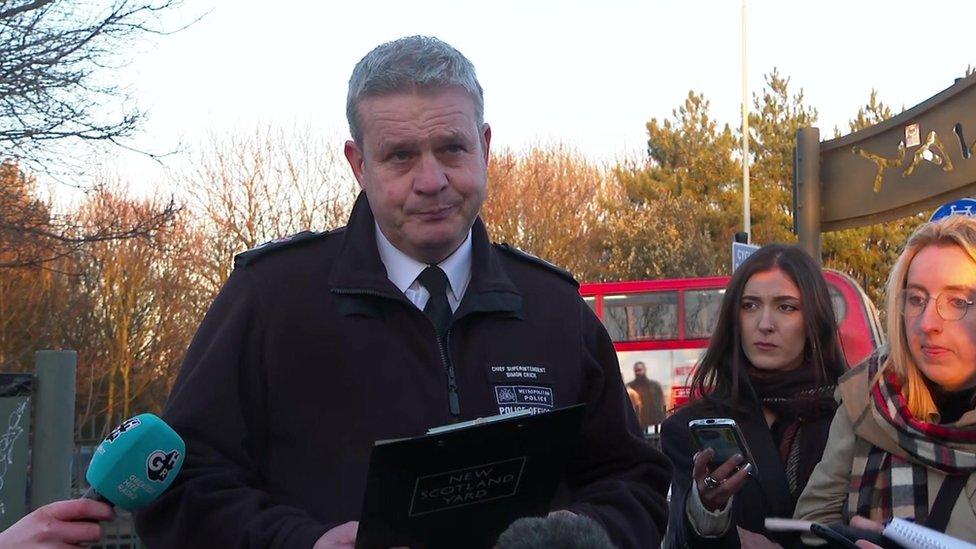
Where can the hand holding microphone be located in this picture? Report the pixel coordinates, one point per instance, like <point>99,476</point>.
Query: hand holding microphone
<point>133,465</point>
<point>59,524</point>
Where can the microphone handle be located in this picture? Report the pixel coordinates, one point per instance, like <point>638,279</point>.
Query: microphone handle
<point>90,493</point>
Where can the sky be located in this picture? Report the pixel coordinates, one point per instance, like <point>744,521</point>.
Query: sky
<point>590,74</point>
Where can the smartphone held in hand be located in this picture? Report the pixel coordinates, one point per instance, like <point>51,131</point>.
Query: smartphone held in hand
<point>723,436</point>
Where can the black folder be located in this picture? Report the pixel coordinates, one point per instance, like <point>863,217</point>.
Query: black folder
<point>462,487</point>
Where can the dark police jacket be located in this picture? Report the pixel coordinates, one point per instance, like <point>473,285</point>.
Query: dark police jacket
<point>309,354</point>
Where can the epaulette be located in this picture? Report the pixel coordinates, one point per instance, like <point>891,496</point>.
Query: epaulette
<point>245,258</point>
<point>529,258</point>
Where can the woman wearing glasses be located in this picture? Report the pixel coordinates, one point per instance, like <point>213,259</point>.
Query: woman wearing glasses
<point>903,442</point>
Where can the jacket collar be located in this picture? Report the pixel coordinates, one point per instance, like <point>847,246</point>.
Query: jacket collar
<point>404,270</point>
<point>358,269</point>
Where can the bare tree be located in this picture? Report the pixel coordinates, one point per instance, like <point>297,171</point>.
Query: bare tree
<point>32,234</point>
<point>58,72</point>
<point>142,302</point>
<point>544,201</point>
<point>553,202</point>
<point>59,87</point>
<point>250,188</point>
<point>26,301</point>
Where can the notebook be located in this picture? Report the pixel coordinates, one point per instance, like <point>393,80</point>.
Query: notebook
<point>905,533</point>
<point>914,536</point>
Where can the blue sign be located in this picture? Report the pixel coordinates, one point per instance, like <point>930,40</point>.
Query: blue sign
<point>740,252</point>
<point>963,206</point>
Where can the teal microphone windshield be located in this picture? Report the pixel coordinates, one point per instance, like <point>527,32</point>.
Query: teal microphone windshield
<point>136,462</point>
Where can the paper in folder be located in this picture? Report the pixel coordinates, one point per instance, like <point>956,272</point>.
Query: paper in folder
<point>462,485</point>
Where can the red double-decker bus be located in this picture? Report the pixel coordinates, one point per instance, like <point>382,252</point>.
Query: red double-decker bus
<point>666,323</point>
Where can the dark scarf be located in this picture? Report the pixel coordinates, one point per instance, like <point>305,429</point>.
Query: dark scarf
<point>951,404</point>
<point>798,398</point>
<point>877,493</point>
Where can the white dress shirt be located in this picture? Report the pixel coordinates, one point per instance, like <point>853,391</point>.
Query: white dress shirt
<point>403,270</point>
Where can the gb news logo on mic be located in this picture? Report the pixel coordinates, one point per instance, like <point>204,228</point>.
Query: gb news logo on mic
<point>122,428</point>
<point>160,463</point>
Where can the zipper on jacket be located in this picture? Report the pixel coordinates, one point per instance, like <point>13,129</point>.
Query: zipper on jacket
<point>454,400</point>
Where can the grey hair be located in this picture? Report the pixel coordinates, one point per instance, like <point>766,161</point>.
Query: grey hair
<point>563,530</point>
<point>407,64</point>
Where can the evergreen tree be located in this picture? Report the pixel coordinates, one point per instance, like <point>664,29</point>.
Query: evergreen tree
<point>691,160</point>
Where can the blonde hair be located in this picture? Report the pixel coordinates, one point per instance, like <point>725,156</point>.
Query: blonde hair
<point>955,230</point>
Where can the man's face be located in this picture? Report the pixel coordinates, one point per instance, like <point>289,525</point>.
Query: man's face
<point>423,165</point>
<point>639,369</point>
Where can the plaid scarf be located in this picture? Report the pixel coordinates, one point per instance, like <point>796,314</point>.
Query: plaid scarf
<point>888,487</point>
<point>891,486</point>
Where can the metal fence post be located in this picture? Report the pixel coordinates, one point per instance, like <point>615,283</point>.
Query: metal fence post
<point>54,426</point>
<point>806,181</point>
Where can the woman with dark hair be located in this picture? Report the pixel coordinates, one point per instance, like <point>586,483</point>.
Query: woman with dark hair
<point>772,366</point>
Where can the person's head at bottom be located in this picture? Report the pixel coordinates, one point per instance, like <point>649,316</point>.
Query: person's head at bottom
<point>564,530</point>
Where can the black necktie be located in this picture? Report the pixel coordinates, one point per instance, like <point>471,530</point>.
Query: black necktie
<point>437,309</point>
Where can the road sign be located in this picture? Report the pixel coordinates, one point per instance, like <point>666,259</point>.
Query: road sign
<point>740,252</point>
<point>963,206</point>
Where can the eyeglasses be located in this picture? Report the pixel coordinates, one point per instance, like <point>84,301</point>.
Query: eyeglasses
<point>951,305</point>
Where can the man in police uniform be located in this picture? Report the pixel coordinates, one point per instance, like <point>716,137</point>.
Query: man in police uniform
<point>406,319</point>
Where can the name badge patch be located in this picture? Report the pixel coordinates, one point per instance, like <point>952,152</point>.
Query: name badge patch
<point>519,373</point>
<point>516,398</point>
